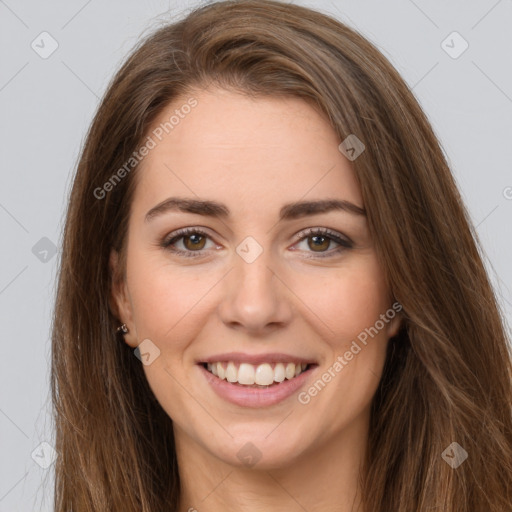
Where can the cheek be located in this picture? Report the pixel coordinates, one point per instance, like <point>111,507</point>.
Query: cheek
<point>351,305</point>
<point>166,299</point>
<point>343,302</point>
<point>170,302</point>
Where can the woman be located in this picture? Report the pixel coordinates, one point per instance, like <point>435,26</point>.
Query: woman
<point>271,296</point>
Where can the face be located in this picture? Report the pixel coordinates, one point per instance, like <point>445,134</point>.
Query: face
<point>257,281</point>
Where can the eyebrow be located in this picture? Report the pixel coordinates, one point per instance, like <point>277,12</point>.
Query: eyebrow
<point>288,211</point>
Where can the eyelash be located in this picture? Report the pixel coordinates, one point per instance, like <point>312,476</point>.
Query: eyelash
<point>182,233</point>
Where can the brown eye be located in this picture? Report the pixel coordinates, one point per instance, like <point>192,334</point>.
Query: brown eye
<point>194,242</point>
<point>191,240</point>
<point>319,243</point>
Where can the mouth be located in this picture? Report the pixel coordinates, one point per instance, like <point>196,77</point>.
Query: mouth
<point>263,375</point>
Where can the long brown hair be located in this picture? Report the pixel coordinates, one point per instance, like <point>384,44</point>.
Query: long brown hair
<point>448,373</point>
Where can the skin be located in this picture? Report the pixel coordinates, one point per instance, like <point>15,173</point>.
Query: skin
<point>254,155</point>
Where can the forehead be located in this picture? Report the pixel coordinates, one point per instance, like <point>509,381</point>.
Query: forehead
<point>246,152</point>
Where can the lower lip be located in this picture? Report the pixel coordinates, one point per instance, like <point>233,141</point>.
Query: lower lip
<point>255,397</point>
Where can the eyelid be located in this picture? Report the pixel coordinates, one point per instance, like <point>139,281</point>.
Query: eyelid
<point>182,233</point>
<point>342,240</point>
<point>324,231</point>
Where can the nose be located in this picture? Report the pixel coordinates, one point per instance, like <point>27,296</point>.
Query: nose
<point>255,297</point>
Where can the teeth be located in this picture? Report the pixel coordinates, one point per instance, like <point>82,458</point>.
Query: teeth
<point>246,374</point>
<point>231,372</point>
<point>264,374</point>
<point>279,373</point>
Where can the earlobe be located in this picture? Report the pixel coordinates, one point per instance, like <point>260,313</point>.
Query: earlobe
<point>395,325</point>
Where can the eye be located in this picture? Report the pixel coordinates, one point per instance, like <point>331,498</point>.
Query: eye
<point>319,240</point>
<point>194,240</point>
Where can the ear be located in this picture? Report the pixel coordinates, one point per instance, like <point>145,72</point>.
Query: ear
<point>396,322</point>
<point>119,300</point>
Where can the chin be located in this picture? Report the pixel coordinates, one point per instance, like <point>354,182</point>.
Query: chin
<point>257,450</point>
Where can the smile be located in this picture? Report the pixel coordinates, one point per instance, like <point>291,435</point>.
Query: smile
<point>260,375</point>
<point>256,383</point>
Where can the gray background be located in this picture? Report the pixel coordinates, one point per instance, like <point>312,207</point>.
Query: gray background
<point>47,104</point>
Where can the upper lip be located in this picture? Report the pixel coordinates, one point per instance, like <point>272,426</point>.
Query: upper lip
<point>240,357</point>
